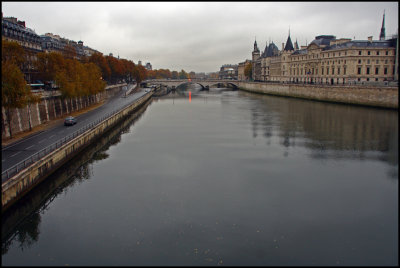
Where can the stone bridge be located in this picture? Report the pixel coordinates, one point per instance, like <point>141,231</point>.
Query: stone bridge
<point>205,84</point>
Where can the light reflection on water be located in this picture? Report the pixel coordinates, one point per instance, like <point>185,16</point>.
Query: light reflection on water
<point>227,178</point>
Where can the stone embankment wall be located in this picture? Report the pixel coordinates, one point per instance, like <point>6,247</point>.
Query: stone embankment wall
<point>50,108</point>
<point>386,97</point>
<point>18,185</point>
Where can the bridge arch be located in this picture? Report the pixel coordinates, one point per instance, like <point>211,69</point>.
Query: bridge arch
<point>203,83</point>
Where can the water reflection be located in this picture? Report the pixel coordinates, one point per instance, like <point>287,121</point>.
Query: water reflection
<point>231,178</point>
<point>330,131</point>
<point>14,226</point>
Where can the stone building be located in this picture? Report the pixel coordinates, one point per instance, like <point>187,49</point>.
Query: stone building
<point>228,71</point>
<point>241,67</point>
<point>328,60</point>
<point>14,30</point>
<point>148,66</point>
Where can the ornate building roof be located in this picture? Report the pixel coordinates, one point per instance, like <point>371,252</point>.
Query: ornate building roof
<point>323,40</point>
<point>289,44</point>
<point>272,50</point>
<point>255,47</point>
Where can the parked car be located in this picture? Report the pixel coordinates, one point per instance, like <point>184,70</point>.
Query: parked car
<point>70,120</point>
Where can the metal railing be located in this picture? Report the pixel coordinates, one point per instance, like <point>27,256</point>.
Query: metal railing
<point>5,175</point>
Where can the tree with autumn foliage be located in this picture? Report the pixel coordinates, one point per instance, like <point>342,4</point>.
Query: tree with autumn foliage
<point>101,62</point>
<point>15,93</point>
<point>48,64</point>
<point>248,71</point>
<point>12,52</point>
<point>183,75</point>
<point>13,89</point>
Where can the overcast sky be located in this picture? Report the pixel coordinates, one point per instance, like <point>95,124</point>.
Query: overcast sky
<point>200,36</point>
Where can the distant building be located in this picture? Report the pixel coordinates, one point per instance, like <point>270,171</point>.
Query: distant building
<point>328,60</point>
<point>89,51</point>
<point>241,67</point>
<point>200,75</point>
<point>52,43</point>
<point>148,66</point>
<point>228,71</point>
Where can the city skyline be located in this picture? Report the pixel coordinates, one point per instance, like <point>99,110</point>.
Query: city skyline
<point>198,36</point>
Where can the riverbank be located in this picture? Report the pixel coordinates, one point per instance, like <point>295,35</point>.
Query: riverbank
<point>28,177</point>
<point>50,109</point>
<point>382,97</point>
<point>46,125</point>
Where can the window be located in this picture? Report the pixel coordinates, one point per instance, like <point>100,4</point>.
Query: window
<point>338,70</point>
<point>368,61</point>
<point>387,53</point>
<point>344,70</point>
<point>377,61</point>
<point>369,52</point>
<point>327,70</point>
<point>359,61</point>
<point>377,53</point>
<point>333,70</point>
<point>376,70</point>
<point>385,71</point>
<point>322,71</point>
<point>359,70</point>
<point>376,79</point>
<point>367,70</point>
<point>359,52</point>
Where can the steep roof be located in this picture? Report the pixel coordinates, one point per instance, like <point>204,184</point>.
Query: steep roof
<point>289,44</point>
<point>272,50</point>
<point>264,54</point>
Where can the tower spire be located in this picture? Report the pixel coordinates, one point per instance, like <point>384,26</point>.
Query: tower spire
<point>382,34</point>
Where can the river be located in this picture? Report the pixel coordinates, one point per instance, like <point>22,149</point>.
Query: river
<point>221,178</point>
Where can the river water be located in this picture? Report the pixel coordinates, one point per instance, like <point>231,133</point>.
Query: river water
<point>221,178</point>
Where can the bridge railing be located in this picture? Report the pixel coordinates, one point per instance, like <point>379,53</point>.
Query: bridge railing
<point>7,174</point>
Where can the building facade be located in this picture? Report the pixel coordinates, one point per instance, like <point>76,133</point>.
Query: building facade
<point>228,71</point>
<point>148,66</point>
<point>241,68</point>
<point>14,30</point>
<point>328,60</point>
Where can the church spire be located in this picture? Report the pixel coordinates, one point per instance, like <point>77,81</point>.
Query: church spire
<point>382,35</point>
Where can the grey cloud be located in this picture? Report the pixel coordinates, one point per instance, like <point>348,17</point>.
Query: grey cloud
<point>200,36</point>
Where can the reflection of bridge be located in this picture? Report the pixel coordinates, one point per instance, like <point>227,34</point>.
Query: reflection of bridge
<point>205,84</point>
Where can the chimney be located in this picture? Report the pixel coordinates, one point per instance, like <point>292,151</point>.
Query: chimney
<point>22,23</point>
<point>370,39</point>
